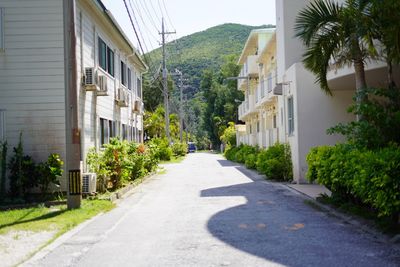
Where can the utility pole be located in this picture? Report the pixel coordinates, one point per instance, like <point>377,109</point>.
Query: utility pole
<point>165,80</point>
<point>179,73</point>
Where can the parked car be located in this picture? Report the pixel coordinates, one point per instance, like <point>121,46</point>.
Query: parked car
<point>191,147</point>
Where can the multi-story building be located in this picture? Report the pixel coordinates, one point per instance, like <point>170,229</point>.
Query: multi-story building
<point>57,59</point>
<point>257,80</point>
<point>303,111</point>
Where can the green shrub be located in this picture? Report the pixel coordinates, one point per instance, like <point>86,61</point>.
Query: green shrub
<point>251,161</point>
<point>179,149</point>
<point>276,162</point>
<point>49,171</point>
<point>243,152</point>
<point>231,152</point>
<point>23,172</point>
<point>370,177</point>
<point>163,151</point>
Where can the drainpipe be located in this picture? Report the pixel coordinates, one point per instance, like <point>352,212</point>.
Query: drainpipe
<point>72,136</point>
<point>83,154</point>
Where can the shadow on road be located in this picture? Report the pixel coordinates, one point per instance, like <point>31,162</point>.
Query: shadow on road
<point>276,225</point>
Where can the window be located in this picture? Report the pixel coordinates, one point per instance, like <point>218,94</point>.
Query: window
<point>290,116</point>
<point>124,132</point>
<point>112,128</point>
<point>139,88</point>
<point>123,73</point>
<point>104,137</point>
<point>129,79</point>
<point>258,126</point>
<point>2,125</point>
<point>110,61</point>
<point>106,57</point>
<point>1,29</point>
<point>274,121</point>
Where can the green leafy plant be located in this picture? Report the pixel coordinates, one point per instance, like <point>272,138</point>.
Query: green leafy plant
<point>179,149</point>
<point>381,119</point>
<point>371,177</point>
<point>23,172</point>
<point>276,162</point>
<point>3,169</point>
<point>49,172</point>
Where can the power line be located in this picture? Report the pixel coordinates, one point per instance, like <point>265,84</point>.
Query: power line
<point>147,11</point>
<point>166,12</point>
<point>144,23</point>
<point>134,28</point>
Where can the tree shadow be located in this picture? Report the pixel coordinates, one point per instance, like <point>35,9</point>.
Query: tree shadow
<point>42,217</point>
<point>276,225</point>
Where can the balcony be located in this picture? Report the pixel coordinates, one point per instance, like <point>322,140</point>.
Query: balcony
<point>247,107</point>
<point>268,89</point>
<point>340,79</point>
<point>250,70</point>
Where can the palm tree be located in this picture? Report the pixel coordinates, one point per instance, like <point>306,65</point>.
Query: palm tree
<point>334,33</point>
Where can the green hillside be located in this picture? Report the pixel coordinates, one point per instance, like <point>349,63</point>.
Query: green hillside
<point>203,50</point>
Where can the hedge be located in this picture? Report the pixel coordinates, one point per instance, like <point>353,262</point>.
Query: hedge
<point>372,177</point>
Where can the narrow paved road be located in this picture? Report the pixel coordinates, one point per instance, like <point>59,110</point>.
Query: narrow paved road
<point>207,211</point>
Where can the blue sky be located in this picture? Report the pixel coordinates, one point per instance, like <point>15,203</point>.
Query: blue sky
<point>187,16</point>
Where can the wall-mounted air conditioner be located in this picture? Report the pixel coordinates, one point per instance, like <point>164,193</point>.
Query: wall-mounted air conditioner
<point>122,97</point>
<point>102,89</point>
<point>89,79</point>
<point>138,106</point>
<point>89,183</point>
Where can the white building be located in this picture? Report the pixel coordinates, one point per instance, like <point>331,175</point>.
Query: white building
<point>36,61</point>
<point>257,80</point>
<point>304,112</point>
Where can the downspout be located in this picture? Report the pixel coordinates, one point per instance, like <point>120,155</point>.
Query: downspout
<point>96,119</point>
<point>72,136</point>
<point>83,155</point>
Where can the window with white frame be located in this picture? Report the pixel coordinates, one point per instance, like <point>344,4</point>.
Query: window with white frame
<point>106,57</point>
<point>1,28</point>
<point>2,125</point>
<point>290,116</point>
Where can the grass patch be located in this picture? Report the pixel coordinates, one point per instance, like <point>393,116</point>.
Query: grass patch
<point>58,218</point>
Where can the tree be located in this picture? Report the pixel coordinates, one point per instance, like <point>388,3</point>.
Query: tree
<point>336,32</point>
<point>386,29</point>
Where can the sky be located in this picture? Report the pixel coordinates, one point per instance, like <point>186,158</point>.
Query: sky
<point>186,16</point>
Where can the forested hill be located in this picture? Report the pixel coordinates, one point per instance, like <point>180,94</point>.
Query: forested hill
<point>206,49</point>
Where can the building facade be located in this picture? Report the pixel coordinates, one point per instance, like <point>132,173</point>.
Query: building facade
<point>34,67</point>
<point>302,111</point>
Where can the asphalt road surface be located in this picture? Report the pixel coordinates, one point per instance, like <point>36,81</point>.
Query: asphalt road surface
<point>207,211</point>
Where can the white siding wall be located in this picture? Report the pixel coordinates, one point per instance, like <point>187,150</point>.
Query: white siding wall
<point>95,107</point>
<point>314,113</point>
<point>32,76</point>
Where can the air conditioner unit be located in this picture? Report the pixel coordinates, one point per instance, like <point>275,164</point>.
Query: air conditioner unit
<point>137,106</point>
<point>102,89</point>
<point>122,97</point>
<point>88,183</point>
<point>89,79</point>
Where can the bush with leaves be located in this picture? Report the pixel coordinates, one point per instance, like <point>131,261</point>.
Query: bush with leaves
<point>179,149</point>
<point>23,172</point>
<point>229,135</point>
<point>163,151</point>
<point>251,161</point>
<point>380,123</point>
<point>120,162</point>
<point>359,175</point>
<point>49,171</point>
<point>3,169</point>
<point>275,162</point>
